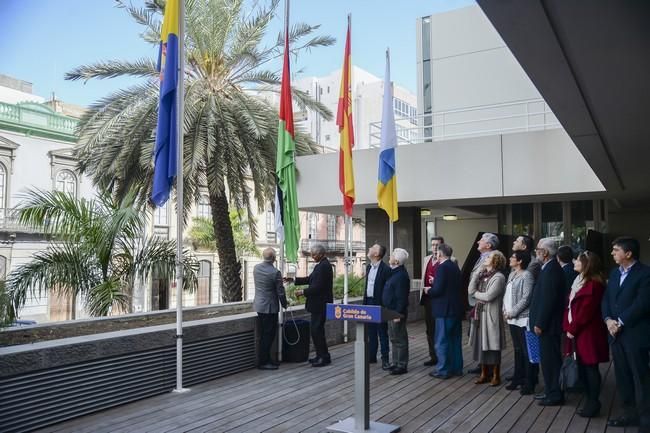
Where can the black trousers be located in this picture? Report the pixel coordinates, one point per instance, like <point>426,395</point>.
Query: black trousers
<point>519,346</point>
<point>551,364</point>
<point>317,329</point>
<point>591,380</point>
<point>430,324</point>
<point>633,379</point>
<point>268,325</point>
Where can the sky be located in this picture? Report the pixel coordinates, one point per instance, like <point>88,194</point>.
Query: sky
<point>41,40</point>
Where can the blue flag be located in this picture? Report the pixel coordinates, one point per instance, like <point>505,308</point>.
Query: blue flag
<point>166,131</point>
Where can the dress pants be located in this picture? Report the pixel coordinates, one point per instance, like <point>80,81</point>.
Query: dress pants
<point>400,341</point>
<point>551,364</point>
<point>268,326</point>
<point>633,379</point>
<point>317,329</point>
<point>430,324</point>
<point>590,377</point>
<point>448,343</point>
<point>519,344</point>
<point>377,336</point>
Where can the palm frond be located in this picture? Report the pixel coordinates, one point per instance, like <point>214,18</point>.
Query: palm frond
<point>105,296</point>
<point>113,69</point>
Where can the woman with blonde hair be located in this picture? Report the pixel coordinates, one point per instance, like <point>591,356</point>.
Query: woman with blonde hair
<point>487,336</point>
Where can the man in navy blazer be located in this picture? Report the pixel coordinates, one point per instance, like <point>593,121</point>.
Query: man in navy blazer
<point>377,273</point>
<point>626,312</point>
<point>319,292</point>
<point>545,319</point>
<point>447,311</point>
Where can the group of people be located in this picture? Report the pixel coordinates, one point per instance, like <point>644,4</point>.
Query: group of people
<point>552,304</point>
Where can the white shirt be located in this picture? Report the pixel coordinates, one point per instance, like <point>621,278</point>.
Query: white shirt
<point>370,288</point>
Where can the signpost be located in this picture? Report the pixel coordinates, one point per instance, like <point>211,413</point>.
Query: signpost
<point>361,314</point>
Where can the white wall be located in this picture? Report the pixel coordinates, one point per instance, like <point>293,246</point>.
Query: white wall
<point>541,162</point>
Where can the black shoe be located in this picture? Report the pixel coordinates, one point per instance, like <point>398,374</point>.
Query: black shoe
<point>623,421</point>
<point>590,409</point>
<point>322,363</point>
<point>547,402</point>
<point>512,386</point>
<point>277,364</point>
<point>385,365</point>
<point>429,363</point>
<point>398,370</point>
<point>526,391</point>
<point>372,361</point>
<point>540,396</point>
<point>475,370</point>
<point>314,359</point>
<point>509,378</point>
<point>438,375</point>
<point>267,366</point>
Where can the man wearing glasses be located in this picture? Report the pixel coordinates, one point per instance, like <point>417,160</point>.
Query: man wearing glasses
<point>545,319</point>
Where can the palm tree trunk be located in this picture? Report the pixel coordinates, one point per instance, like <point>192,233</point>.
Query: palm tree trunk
<point>229,266</point>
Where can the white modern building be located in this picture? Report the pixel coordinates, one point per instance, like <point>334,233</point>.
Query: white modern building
<point>488,153</point>
<point>367,93</point>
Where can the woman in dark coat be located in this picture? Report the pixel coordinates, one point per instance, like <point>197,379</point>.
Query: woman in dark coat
<point>584,326</point>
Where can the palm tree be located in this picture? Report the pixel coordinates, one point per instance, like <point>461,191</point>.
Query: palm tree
<point>99,252</point>
<point>230,130</point>
<point>201,234</point>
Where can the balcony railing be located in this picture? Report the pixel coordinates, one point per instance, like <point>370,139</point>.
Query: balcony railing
<point>9,222</point>
<point>497,119</point>
<point>38,120</point>
<point>332,246</point>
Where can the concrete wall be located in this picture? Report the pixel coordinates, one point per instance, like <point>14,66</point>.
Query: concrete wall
<point>634,223</point>
<point>509,165</point>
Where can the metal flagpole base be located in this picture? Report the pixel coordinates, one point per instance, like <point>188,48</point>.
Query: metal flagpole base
<point>180,391</point>
<point>348,426</point>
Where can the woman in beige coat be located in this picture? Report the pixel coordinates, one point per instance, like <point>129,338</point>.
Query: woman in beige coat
<point>487,337</point>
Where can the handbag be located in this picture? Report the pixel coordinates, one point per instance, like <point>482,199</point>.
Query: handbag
<point>569,376</point>
<point>532,346</point>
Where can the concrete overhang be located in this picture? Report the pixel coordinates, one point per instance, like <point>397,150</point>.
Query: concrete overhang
<point>590,62</point>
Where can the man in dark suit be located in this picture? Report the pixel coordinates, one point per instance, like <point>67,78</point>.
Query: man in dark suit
<point>565,259</point>
<point>545,319</point>
<point>377,272</point>
<point>319,292</point>
<point>626,312</point>
<point>269,293</point>
<point>396,298</point>
<point>447,310</point>
<point>429,269</point>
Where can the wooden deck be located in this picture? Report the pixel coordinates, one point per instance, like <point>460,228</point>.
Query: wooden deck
<point>298,398</point>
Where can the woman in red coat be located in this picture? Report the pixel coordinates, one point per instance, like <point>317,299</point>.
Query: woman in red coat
<point>584,325</point>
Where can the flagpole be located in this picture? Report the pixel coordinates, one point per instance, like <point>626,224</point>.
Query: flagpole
<point>179,198</point>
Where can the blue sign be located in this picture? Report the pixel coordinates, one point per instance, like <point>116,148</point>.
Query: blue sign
<point>357,313</point>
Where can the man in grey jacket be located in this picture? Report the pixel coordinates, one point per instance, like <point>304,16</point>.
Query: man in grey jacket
<point>269,292</point>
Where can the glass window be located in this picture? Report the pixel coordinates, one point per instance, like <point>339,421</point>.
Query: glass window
<point>270,226</point>
<point>203,207</point>
<point>582,220</point>
<point>3,268</point>
<point>204,282</point>
<point>331,227</point>
<point>426,38</point>
<point>66,182</point>
<point>553,221</point>
<point>3,190</point>
<point>522,219</point>
<point>160,216</point>
<point>426,85</point>
<point>312,223</point>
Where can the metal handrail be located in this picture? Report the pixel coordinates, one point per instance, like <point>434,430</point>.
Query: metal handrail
<point>436,131</point>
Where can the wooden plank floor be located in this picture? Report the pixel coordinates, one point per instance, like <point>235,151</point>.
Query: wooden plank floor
<point>298,398</point>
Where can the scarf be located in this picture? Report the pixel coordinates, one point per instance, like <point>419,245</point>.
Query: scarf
<point>578,284</point>
<point>484,276</point>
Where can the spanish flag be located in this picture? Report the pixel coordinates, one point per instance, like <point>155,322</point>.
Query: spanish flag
<point>344,122</point>
<point>387,183</point>
<point>166,130</point>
